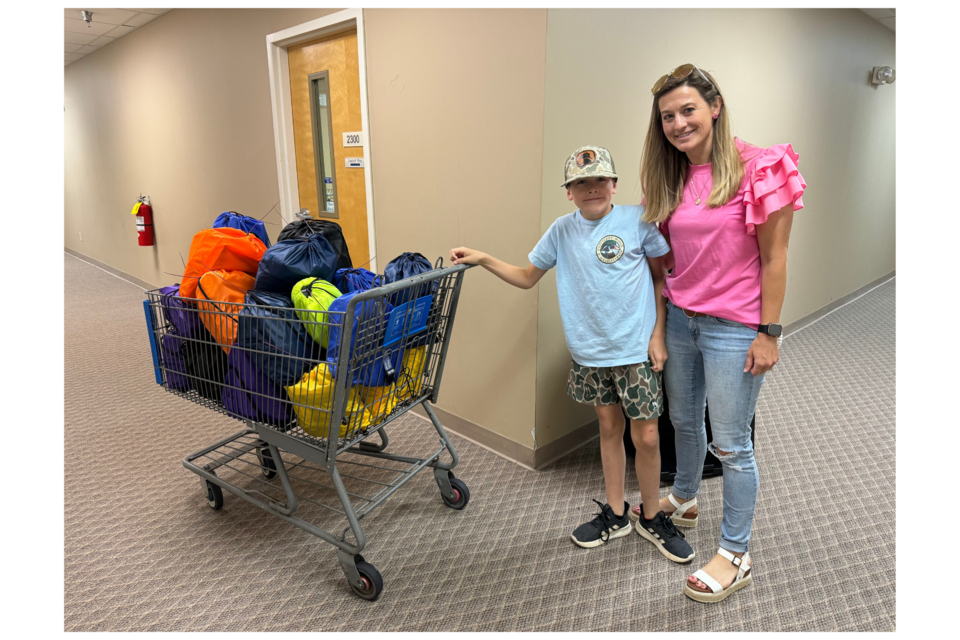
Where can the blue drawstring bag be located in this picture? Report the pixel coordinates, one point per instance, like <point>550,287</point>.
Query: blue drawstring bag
<point>236,220</point>
<point>407,265</point>
<point>347,280</point>
<point>289,261</point>
<point>277,341</point>
<point>379,365</point>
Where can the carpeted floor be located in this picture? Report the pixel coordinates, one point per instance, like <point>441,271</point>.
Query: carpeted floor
<point>144,552</point>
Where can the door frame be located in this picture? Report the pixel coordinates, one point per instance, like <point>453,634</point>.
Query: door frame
<point>277,62</point>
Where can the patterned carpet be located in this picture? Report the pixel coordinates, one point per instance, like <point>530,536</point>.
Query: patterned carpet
<point>144,552</point>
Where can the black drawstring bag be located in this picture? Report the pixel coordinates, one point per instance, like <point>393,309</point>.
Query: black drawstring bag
<point>329,230</point>
<point>206,361</point>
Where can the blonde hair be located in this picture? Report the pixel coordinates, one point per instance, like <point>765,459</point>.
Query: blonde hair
<point>663,167</point>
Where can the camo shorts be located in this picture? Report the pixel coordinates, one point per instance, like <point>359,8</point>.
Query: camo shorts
<point>637,386</point>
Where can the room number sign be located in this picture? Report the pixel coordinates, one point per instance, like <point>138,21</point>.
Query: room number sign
<point>353,139</point>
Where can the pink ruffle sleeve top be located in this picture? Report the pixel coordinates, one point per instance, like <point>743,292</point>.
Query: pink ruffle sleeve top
<point>717,256</point>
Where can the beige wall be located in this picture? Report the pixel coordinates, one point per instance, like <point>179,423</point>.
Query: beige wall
<point>797,76</point>
<point>456,118</point>
<point>179,110</point>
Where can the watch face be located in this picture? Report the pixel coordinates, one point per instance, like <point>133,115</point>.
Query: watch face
<point>774,330</point>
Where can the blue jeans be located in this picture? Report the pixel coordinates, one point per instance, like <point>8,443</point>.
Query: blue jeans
<point>705,360</point>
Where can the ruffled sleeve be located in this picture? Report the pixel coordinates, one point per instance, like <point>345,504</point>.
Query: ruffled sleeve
<point>773,182</point>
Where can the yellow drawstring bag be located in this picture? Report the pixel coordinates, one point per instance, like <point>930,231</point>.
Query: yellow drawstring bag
<point>380,401</point>
<point>316,391</point>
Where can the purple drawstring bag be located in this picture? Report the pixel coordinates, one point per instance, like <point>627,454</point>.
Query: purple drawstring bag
<point>174,367</point>
<point>181,321</point>
<point>249,393</point>
<point>180,313</point>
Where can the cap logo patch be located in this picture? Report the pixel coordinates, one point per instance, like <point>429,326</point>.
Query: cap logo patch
<point>586,157</point>
<point>610,249</point>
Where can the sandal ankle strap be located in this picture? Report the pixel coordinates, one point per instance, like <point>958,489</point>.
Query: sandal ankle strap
<point>681,509</point>
<point>734,560</point>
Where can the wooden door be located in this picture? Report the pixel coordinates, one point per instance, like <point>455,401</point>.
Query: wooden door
<point>325,94</point>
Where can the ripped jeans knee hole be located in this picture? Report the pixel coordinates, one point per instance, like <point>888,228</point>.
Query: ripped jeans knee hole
<point>726,458</point>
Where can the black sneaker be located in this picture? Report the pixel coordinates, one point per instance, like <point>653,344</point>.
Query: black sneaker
<point>605,527</point>
<point>661,531</point>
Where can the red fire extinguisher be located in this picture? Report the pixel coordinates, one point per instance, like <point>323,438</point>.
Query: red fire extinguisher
<point>144,215</point>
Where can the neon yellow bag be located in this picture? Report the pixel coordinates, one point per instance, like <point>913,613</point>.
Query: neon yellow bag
<point>412,379</point>
<point>316,391</point>
<point>380,401</point>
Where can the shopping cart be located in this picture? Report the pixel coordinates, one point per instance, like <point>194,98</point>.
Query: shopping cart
<point>310,404</point>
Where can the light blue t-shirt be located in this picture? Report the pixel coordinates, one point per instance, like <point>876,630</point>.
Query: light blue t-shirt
<point>604,284</point>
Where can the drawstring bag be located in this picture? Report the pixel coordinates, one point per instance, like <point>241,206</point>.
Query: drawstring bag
<point>249,394</point>
<point>326,228</point>
<point>226,249</point>
<point>277,341</point>
<point>311,297</point>
<point>404,266</point>
<point>181,321</point>
<point>180,313</point>
<point>174,367</point>
<point>206,363</point>
<point>289,261</point>
<point>347,280</point>
<point>380,401</point>
<point>221,294</point>
<point>235,220</point>
<point>378,365</point>
<point>313,398</point>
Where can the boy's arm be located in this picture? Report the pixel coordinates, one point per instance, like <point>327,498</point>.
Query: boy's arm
<point>657,349</point>
<point>522,278</point>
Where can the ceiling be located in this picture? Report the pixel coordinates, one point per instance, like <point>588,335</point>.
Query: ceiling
<point>81,39</point>
<point>886,17</point>
<point>107,25</point>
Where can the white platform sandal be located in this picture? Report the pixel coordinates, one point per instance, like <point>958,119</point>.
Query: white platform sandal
<point>718,593</point>
<point>677,516</point>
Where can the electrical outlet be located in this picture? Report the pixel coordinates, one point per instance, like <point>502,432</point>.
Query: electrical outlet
<point>81,236</point>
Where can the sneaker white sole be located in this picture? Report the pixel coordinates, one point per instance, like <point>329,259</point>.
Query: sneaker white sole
<point>699,596</point>
<point>659,545</point>
<point>680,522</point>
<point>619,533</point>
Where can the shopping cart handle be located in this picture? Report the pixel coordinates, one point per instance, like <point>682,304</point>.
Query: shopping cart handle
<point>153,343</point>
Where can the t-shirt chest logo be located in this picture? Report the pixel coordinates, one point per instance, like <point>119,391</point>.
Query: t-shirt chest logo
<point>609,249</point>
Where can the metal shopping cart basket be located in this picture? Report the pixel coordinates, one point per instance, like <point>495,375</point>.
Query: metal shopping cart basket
<point>312,387</point>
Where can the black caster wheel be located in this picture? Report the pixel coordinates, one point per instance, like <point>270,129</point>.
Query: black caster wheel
<point>214,496</point>
<point>267,464</point>
<point>372,582</point>
<point>461,494</point>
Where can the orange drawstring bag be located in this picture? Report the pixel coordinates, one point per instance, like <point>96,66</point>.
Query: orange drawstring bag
<point>224,292</point>
<point>223,248</point>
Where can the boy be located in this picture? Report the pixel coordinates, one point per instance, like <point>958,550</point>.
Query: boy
<point>614,321</point>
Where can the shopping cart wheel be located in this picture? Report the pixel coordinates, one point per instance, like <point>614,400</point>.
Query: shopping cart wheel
<point>461,494</point>
<point>372,582</point>
<point>267,464</point>
<point>214,496</point>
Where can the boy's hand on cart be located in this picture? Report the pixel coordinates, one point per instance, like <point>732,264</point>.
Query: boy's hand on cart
<point>657,351</point>
<point>463,255</point>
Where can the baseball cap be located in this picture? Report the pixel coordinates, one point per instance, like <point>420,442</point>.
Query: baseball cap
<point>588,162</point>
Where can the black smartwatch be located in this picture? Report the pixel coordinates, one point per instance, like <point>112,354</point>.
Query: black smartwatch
<point>773,330</point>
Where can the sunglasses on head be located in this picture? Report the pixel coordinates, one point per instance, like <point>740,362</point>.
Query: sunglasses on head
<point>680,72</point>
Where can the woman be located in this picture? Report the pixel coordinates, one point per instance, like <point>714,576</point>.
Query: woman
<point>726,208</point>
